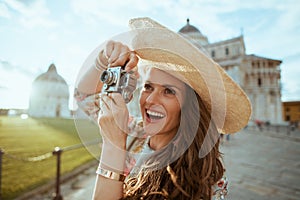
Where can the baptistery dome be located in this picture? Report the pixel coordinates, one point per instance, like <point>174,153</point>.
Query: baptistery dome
<point>193,34</point>
<point>49,96</point>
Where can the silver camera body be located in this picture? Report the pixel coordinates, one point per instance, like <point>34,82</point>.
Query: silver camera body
<point>116,79</point>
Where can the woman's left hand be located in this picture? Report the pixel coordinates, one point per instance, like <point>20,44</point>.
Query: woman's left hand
<point>119,54</point>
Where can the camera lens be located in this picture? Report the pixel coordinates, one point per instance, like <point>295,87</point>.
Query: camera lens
<point>106,77</point>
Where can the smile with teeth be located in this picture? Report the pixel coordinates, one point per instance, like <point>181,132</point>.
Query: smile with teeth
<point>154,115</point>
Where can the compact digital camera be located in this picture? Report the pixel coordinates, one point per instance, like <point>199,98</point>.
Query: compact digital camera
<point>116,79</point>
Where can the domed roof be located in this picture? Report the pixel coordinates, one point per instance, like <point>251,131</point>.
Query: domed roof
<point>189,28</point>
<point>51,76</point>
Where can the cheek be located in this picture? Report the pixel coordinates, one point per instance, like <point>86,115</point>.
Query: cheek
<point>142,99</point>
<point>175,109</point>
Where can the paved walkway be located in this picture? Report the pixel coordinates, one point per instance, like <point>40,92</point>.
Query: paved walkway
<point>263,165</point>
<point>260,166</point>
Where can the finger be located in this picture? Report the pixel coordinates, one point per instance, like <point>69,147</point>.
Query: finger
<point>117,99</point>
<point>104,107</point>
<point>97,100</point>
<point>111,97</point>
<point>93,110</point>
<point>94,114</point>
<point>109,101</point>
<point>132,61</point>
<point>109,48</point>
<point>120,112</point>
<point>97,103</point>
<point>120,56</point>
<point>116,49</point>
<point>123,57</point>
<point>136,73</point>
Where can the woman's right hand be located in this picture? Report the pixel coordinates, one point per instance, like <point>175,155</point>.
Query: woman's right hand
<point>113,120</point>
<point>113,117</point>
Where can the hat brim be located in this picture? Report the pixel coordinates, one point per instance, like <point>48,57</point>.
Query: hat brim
<point>227,102</point>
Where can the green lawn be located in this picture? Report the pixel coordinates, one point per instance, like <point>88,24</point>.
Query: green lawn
<point>25,138</point>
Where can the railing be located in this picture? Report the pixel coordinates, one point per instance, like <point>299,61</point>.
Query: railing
<point>56,152</point>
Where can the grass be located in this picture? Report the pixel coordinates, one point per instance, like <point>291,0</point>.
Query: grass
<point>24,138</point>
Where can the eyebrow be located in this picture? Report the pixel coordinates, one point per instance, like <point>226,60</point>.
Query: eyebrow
<point>165,85</point>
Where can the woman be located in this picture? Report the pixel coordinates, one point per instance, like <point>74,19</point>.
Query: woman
<point>186,101</point>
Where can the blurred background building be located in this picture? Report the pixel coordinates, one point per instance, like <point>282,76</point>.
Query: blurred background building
<point>49,95</point>
<point>257,75</point>
<point>291,112</point>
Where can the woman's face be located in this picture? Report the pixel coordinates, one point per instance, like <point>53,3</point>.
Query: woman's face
<point>161,100</point>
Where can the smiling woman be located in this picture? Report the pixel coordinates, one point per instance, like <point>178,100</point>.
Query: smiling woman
<point>186,101</point>
<point>163,117</point>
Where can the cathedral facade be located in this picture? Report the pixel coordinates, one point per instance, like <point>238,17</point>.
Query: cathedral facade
<point>49,96</point>
<point>257,75</point>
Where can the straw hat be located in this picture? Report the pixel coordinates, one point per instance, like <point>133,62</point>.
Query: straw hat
<point>169,51</point>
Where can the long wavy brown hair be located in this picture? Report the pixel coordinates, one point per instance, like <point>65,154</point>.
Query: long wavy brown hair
<point>189,176</point>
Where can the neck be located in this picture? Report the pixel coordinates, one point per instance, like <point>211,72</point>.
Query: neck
<point>160,140</point>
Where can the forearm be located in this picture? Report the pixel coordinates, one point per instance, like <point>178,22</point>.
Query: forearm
<point>89,82</point>
<point>113,159</point>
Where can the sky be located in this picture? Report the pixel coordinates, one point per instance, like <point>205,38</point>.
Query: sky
<point>36,33</point>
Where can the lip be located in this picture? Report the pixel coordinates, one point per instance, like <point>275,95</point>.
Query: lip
<point>149,120</point>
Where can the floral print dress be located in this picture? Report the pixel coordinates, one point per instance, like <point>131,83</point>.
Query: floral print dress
<point>137,145</point>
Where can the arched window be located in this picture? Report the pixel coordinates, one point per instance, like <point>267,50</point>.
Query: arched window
<point>213,53</point>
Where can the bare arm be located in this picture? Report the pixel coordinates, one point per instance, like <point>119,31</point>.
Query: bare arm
<point>113,124</point>
<point>114,159</point>
<point>113,119</point>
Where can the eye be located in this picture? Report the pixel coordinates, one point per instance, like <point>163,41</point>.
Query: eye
<point>147,87</point>
<point>169,91</point>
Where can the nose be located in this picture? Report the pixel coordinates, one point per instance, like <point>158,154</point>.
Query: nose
<point>153,98</point>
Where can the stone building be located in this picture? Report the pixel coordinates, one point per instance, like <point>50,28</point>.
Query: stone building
<point>49,96</point>
<point>257,75</point>
<point>291,112</point>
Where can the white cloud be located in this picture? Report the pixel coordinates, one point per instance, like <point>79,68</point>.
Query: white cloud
<point>8,67</point>
<point>35,8</point>
<point>37,22</point>
<point>90,22</point>
<point>97,12</point>
<point>12,95</point>
<point>290,77</point>
<point>33,14</point>
<point>4,12</point>
<point>169,12</point>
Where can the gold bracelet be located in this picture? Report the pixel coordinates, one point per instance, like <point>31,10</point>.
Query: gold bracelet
<point>110,174</point>
<point>99,65</point>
